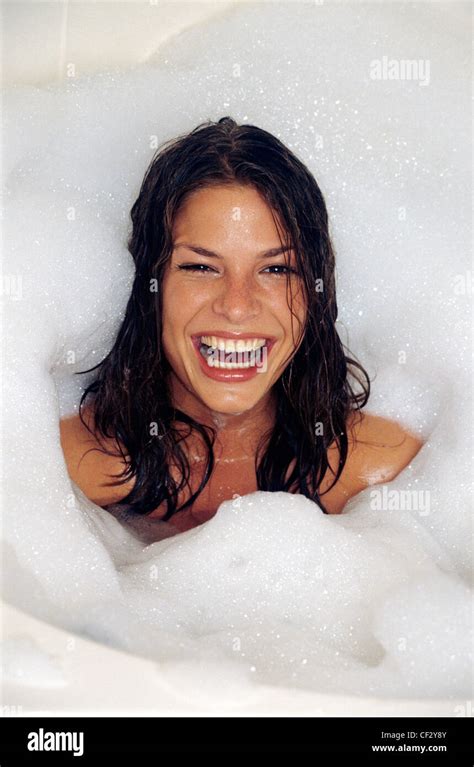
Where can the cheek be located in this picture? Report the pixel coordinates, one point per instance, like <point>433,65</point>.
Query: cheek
<point>291,310</point>
<point>168,310</point>
<point>172,318</point>
<point>176,301</point>
<point>180,305</point>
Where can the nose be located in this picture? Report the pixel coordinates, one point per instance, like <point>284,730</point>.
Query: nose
<point>237,298</point>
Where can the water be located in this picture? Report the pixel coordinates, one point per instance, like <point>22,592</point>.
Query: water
<point>376,601</point>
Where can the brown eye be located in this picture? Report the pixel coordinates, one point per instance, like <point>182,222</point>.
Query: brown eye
<point>286,269</point>
<point>195,267</point>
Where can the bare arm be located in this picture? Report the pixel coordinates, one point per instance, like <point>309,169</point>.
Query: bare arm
<point>88,466</point>
<point>379,449</point>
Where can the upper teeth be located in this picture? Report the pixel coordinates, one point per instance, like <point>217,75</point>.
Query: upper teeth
<point>227,345</point>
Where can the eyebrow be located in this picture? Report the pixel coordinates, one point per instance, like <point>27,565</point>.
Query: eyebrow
<point>211,254</point>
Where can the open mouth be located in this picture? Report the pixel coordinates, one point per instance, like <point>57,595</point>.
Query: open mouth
<point>233,354</point>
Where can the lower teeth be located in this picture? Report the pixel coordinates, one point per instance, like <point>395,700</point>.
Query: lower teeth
<point>213,361</point>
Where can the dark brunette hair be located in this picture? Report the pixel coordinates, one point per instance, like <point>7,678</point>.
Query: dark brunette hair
<point>318,390</point>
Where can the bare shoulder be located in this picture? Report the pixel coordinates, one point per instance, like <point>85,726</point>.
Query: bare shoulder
<point>379,449</point>
<point>88,463</point>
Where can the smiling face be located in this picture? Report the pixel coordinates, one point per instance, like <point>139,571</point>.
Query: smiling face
<point>227,326</point>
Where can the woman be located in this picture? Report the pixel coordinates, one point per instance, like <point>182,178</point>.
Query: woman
<point>227,375</point>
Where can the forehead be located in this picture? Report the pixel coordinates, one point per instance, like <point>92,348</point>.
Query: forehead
<point>227,214</point>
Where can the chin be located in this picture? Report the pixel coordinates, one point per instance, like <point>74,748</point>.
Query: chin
<point>235,407</point>
<point>228,409</point>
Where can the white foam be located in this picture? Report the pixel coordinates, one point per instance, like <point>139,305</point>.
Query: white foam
<point>270,590</point>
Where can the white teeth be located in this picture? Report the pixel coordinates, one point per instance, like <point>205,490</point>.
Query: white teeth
<point>212,363</point>
<point>229,345</point>
<point>233,354</point>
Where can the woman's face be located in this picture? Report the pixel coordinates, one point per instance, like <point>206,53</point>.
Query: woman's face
<point>227,326</point>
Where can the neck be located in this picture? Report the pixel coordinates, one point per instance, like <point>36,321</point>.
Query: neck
<point>236,432</point>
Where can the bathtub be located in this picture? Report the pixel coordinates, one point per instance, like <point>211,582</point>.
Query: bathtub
<point>57,671</point>
<point>94,680</point>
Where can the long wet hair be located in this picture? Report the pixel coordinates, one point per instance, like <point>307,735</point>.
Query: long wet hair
<point>319,388</point>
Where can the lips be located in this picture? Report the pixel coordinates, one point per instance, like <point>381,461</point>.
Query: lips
<point>230,360</point>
